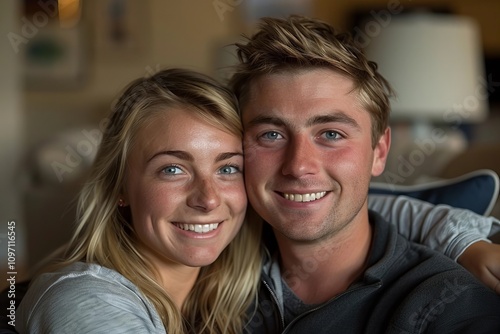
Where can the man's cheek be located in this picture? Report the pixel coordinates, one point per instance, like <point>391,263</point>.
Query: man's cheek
<point>251,155</point>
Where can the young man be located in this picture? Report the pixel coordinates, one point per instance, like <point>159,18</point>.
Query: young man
<point>315,113</point>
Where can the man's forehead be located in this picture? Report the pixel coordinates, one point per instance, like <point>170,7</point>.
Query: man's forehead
<point>327,89</point>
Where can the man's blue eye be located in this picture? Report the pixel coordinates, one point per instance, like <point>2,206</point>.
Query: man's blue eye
<point>271,135</point>
<point>229,170</point>
<point>332,135</point>
<point>172,170</point>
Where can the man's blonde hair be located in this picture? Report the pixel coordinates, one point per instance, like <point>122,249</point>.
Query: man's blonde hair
<point>301,43</point>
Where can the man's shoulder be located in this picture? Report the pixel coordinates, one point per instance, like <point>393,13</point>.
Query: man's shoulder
<point>435,294</point>
<point>427,291</point>
<point>448,301</point>
<point>392,255</point>
<point>427,272</point>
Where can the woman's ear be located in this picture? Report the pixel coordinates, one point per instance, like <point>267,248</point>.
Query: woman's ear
<point>121,202</point>
<point>123,198</point>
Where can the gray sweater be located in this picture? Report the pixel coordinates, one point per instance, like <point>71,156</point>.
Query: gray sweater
<point>407,288</point>
<point>86,298</point>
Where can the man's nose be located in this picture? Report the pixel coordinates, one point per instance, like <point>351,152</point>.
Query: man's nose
<point>301,157</point>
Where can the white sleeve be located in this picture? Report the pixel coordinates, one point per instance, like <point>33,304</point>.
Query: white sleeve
<point>443,228</point>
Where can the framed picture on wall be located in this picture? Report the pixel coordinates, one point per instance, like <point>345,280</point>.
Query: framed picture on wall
<point>121,28</point>
<point>55,59</point>
<point>53,44</point>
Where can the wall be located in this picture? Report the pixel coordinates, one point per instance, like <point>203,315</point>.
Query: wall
<point>172,33</point>
<point>167,33</point>
<point>486,12</point>
<point>11,145</point>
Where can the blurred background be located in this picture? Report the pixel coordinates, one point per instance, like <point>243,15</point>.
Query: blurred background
<point>62,64</point>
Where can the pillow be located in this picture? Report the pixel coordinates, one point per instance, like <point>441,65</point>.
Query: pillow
<point>476,191</point>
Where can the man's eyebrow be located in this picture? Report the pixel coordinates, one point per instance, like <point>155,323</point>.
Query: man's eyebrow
<point>188,157</point>
<point>261,119</point>
<point>337,117</point>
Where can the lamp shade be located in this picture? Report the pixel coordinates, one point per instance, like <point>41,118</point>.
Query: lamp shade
<point>435,64</point>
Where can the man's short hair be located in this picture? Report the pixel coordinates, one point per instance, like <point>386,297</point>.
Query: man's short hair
<point>300,43</point>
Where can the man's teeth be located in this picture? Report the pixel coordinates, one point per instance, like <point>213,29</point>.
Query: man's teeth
<point>198,228</point>
<point>304,197</point>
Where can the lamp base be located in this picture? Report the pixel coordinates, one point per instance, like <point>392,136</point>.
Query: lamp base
<point>420,151</point>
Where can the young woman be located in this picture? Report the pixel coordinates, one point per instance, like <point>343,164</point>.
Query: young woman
<point>152,251</point>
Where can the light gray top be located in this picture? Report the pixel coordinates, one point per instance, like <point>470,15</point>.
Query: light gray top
<point>86,298</point>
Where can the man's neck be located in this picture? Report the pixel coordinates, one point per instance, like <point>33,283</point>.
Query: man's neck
<point>319,271</point>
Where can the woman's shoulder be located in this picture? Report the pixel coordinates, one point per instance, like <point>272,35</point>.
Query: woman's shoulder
<point>81,279</point>
<point>83,291</point>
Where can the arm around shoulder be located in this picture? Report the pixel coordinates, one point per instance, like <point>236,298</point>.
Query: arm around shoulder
<point>446,229</point>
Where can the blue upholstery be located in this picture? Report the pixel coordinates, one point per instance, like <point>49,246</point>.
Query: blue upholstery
<point>476,191</point>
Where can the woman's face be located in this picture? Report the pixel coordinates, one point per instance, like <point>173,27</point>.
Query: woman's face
<point>184,184</point>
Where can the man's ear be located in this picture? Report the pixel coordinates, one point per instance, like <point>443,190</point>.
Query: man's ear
<point>380,152</point>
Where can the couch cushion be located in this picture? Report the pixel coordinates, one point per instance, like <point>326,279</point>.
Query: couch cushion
<point>476,191</point>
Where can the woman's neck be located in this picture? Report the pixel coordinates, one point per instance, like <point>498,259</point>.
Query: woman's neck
<point>178,281</point>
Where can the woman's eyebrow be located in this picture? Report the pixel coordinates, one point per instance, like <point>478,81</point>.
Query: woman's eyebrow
<point>227,155</point>
<point>183,155</point>
<point>178,154</point>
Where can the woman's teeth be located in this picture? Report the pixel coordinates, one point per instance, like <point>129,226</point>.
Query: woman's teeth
<point>197,228</point>
<point>304,197</point>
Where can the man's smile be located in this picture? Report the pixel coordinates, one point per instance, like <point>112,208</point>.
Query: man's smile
<point>304,197</point>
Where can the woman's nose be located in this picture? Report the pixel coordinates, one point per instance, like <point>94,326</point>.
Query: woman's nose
<point>204,196</point>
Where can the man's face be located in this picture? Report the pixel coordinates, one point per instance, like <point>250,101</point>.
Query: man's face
<point>308,153</point>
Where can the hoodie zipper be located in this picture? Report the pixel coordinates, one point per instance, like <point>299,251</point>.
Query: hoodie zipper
<point>285,330</point>
<point>275,299</point>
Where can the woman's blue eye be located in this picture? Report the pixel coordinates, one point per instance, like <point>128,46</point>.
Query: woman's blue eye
<point>172,170</point>
<point>229,170</point>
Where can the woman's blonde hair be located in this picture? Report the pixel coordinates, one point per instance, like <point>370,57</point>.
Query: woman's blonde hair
<point>297,43</point>
<point>223,291</point>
